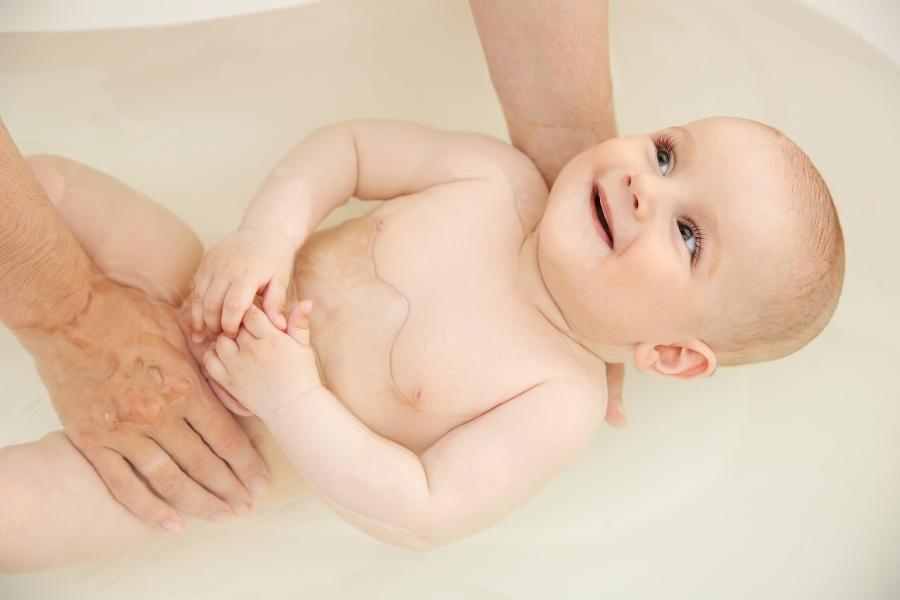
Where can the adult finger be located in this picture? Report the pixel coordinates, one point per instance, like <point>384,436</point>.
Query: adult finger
<point>257,323</point>
<point>237,298</point>
<point>615,380</point>
<point>273,302</point>
<point>172,484</point>
<point>202,465</point>
<point>228,439</point>
<point>132,493</point>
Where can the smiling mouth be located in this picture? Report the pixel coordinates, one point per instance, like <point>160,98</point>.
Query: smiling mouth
<point>598,209</point>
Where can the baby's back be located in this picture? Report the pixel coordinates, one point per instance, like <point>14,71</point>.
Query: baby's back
<point>421,322</point>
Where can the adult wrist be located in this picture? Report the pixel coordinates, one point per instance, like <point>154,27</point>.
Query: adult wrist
<point>551,145</point>
<point>56,316</point>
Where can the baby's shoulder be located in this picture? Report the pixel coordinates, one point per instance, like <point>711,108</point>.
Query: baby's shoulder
<point>557,358</point>
<point>510,173</point>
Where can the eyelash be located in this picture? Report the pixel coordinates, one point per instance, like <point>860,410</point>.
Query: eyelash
<point>666,142</point>
<point>699,236</point>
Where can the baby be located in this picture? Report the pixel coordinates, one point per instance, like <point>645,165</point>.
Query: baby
<point>447,357</point>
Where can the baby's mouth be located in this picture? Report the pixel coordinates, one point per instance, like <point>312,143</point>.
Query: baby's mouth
<point>601,216</point>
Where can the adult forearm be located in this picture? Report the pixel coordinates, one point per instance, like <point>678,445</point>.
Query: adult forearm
<point>44,273</point>
<point>549,63</point>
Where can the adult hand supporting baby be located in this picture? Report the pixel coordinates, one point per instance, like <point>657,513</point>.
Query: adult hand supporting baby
<point>117,368</point>
<point>549,63</point>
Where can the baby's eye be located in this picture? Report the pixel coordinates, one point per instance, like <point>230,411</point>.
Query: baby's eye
<point>689,237</point>
<point>663,157</point>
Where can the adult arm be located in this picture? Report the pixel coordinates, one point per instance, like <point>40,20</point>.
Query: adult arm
<point>117,367</point>
<point>549,63</point>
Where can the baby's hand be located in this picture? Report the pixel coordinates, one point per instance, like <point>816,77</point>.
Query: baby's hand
<point>231,274</point>
<point>265,368</point>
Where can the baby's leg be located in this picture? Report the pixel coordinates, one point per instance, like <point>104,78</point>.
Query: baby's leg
<point>132,239</point>
<point>55,509</point>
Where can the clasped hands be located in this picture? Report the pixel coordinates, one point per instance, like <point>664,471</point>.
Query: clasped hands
<point>260,356</point>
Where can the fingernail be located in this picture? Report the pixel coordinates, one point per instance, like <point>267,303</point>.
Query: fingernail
<point>258,485</point>
<point>172,526</point>
<point>220,517</point>
<point>241,509</point>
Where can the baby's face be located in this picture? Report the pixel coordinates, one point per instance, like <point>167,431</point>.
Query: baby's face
<point>645,238</point>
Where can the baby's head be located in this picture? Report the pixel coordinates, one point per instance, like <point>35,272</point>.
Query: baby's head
<point>712,243</point>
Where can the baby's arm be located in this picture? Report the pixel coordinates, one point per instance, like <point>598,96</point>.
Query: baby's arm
<point>470,478</point>
<point>370,160</point>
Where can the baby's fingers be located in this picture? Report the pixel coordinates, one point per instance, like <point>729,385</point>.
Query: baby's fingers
<point>238,297</point>
<point>257,323</point>
<point>201,283</point>
<point>273,302</point>
<point>198,334</point>
<point>212,304</point>
<point>230,402</point>
<point>298,322</point>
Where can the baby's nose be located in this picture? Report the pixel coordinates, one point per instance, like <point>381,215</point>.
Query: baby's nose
<point>639,196</point>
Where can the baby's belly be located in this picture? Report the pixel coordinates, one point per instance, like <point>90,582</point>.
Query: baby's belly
<point>354,325</point>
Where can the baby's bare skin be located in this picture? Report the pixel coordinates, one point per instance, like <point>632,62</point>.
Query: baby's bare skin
<point>461,328</point>
<point>416,346</point>
<point>442,363</point>
<point>369,359</point>
<point>451,383</point>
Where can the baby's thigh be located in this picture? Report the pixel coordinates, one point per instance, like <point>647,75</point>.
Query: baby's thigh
<point>56,510</point>
<point>132,239</point>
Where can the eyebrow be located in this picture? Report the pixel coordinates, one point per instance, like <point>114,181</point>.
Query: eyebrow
<point>688,140</point>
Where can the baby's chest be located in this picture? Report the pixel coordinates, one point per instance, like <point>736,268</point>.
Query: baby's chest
<point>431,328</point>
<point>454,271</point>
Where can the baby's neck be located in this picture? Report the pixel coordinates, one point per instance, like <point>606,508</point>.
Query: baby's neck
<point>533,282</point>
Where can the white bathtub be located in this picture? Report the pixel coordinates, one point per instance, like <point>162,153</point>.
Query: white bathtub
<point>774,481</point>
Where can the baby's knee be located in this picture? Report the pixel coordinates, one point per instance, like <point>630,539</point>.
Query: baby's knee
<point>52,174</point>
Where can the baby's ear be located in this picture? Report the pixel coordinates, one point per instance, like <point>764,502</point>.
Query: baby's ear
<point>691,359</point>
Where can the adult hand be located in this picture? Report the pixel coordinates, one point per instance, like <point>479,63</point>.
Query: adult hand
<point>615,380</point>
<point>132,400</point>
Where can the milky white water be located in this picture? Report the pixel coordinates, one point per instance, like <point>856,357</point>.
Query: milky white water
<point>774,481</point>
